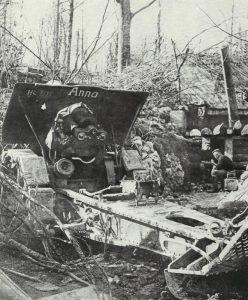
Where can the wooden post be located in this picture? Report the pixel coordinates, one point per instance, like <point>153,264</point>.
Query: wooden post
<point>10,290</point>
<point>125,18</point>
<point>71,18</point>
<point>229,147</point>
<point>232,106</point>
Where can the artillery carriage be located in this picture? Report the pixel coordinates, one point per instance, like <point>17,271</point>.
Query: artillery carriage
<point>76,162</point>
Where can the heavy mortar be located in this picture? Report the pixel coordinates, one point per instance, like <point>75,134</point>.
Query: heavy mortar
<point>77,163</point>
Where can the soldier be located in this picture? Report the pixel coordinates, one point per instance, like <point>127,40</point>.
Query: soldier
<point>219,172</point>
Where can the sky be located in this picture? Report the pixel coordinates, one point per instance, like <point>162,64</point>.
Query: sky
<point>180,20</point>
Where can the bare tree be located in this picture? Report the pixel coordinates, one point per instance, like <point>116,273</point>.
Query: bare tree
<point>57,32</point>
<point>232,23</point>
<point>91,49</point>
<point>125,19</point>
<point>158,40</point>
<point>179,66</point>
<point>82,38</point>
<point>71,15</point>
<point>77,52</point>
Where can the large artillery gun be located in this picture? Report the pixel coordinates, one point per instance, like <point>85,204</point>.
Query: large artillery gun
<point>76,162</point>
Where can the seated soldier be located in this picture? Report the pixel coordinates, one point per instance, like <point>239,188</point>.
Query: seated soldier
<point>219,172</point>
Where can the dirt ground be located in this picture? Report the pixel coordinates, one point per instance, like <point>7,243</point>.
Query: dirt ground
<point>129,277</point>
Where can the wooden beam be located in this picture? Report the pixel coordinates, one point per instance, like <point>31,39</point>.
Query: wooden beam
<point>229,147</point>
<point>232,106</point>
<point>10,290</point>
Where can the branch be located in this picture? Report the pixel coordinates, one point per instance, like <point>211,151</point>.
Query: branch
<point>26,47</point>
<point>21,274</point>
<point>184,59</point>
<point>72,76</point>
<point>230,34</point>
<point>104,43</point>
<point>99,31</point>
<point>179,67</point>
<point>80,4</point>
<point>142,8</point>
<point>222,41</point>
<point>203,31</point>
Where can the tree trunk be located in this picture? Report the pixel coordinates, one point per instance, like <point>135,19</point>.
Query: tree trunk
<point>77,49</point>
<point>70,34</point>
<point>3,72</point>
<point>4,35</point>
<point>232,106</point>
<point>82,39</point>
<point>125,17</point>
<point>159,37</point>
<point>56,33</point>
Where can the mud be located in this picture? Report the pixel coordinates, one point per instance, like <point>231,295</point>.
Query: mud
<point>132,275</point>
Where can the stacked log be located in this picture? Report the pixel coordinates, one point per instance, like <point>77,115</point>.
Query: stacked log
<point>206,132</point>
<point>220,129</point>
<point>244,131</point>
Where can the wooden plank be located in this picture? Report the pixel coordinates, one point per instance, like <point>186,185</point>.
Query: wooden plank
<point>34,173</point>
<point>240,150</point>
<point>240,142</point>
<point>232,106</point>
<point>223,112</point>
<point>229,147</point>
<point>85,293</point>
<point>240,157</point>
<point>240,165</point>
<point>9,290</point>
